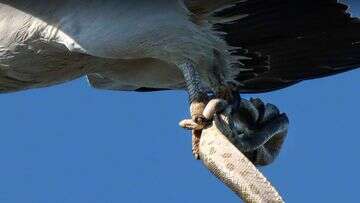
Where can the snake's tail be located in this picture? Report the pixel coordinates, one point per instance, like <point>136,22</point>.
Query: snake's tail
<point>226,162</point>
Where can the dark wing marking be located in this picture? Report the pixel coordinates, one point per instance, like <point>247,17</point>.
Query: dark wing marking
<point>301,39</point>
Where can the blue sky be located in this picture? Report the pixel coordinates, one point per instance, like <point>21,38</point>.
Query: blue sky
<point>72,143</point>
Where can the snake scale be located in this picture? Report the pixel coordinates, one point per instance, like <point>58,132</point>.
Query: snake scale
<point>233,168</point>
<point>222,156</point>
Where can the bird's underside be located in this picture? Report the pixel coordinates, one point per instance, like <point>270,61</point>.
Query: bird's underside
<point>283,43</point>
<point>212,49</point>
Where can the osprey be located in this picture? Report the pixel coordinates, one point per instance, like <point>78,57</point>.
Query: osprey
<point>210,48</point>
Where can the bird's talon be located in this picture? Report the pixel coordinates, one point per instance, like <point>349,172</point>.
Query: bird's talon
<point>190,124</point>
<point>197,123</point>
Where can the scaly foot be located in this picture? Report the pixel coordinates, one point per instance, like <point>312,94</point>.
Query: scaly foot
<point>202,115</point>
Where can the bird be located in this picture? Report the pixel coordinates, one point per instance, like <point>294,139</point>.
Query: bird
<point>213,49</point>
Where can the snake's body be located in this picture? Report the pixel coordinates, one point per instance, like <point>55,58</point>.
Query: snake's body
<point>232,167</point>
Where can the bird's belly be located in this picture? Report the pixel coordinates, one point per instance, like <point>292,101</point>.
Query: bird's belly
<point>38,64</point>
<point>104,39</point>
<point>134,74</point>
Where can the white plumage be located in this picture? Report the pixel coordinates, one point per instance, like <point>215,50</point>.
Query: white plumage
<point>128,45</point>
<point>118,44</point>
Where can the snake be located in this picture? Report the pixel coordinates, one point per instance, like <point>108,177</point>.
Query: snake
<point>236,167</point>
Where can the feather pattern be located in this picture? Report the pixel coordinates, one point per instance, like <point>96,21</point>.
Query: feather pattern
<point>285,42</point>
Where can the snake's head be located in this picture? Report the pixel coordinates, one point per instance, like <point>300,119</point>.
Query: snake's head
<point>256,129</point>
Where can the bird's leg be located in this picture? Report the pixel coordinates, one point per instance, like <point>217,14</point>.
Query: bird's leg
<point>197,95</point>
<point>198,99</point>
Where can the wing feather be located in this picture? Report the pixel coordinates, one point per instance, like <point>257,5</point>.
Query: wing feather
<point>288,41</point>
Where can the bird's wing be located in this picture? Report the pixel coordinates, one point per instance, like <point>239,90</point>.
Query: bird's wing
<point>301,39</point>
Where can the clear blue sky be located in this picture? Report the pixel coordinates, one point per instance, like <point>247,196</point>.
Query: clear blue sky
<point>74,144</point>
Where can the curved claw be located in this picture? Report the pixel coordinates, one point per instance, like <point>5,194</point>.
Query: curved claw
<point>200,122</point>
<point>213,107</point>
<point>190,124</point>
